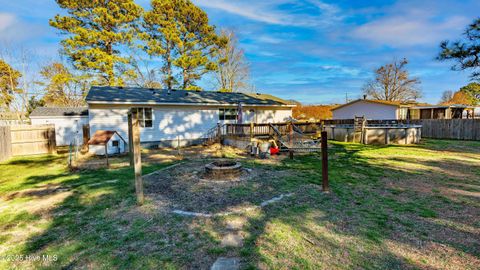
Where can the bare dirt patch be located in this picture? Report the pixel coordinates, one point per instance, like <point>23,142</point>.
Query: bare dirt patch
<point>188,188</point>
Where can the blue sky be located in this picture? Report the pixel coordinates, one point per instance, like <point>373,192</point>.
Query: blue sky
<point>312,51</point>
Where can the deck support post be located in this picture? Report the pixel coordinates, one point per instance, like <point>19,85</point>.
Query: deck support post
<point>219,133</point>
<point>137,158</point>
<point>325,185</point>
<point>251,130</point>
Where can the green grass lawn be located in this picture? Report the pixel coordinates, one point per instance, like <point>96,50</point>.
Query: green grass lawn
<point>394,207</point>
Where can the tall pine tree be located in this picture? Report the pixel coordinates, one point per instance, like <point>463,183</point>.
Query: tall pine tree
<point>179,32</point>
<point>96,30</point>
<point>199,44</point>
<point>162,35</point>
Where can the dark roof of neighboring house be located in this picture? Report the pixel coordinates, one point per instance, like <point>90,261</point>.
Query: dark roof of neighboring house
<point>59,111</point>
<point>101,137</point>
<point>129,95</point>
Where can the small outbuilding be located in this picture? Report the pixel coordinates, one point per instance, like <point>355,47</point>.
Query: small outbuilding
<point>394,110</point>
<point>68,122</point>
<point>372,109</point>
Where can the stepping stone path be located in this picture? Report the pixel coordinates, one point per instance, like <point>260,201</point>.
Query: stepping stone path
<point>223,263</point>
<point>234,238</point>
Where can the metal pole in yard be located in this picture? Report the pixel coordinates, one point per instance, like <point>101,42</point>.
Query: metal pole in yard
<point>325,186</point>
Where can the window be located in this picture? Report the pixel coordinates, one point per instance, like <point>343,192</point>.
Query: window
<point>145,117</point>
<point>403,113</point>
<point>227,114</point>
<point>115,143</point>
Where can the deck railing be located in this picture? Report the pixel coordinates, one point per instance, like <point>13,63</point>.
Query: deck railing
<point>265,129</point>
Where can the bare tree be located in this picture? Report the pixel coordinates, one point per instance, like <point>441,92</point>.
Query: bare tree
<point>21,60</point>
<point>233,72</point>
<point>392,82</point>
<point>446,96</point>
<point>140,71</point>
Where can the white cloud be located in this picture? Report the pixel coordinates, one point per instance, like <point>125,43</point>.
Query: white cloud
<point>268,39</point>
<point>407,24</point>
<point>408,31</point>
<point>6,21</point>
<point>341,70</point>
<point>13,29</point>
<point>267,11</point>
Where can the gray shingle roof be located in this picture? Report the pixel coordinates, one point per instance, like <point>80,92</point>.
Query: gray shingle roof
<point>163,96</point>
<point>59,111</point>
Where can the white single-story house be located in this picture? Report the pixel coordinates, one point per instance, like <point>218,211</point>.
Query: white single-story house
<point>171,116</point>
<point>68,122</point>
<point>371,109</point>
<point>393,110</point>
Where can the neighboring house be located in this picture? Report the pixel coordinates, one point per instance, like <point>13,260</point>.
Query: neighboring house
<point>371,109</point>
<point>391,110</point>
<point>426,111</point>
<point>68,122</point>
<point>171,116</point>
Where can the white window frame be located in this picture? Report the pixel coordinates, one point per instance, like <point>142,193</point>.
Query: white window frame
<point>143,121</point>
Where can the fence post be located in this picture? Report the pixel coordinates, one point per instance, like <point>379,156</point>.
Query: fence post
<point>325,185</point>
<point>130,139</point>
<point>137,157</point>
<point>106,154</point>
<point>52,145</point>
<point>86,137</point>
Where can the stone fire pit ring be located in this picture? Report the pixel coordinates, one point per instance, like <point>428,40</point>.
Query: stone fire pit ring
<point>222,169</point>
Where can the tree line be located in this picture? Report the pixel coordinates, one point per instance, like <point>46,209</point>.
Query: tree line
<point>172,45</point>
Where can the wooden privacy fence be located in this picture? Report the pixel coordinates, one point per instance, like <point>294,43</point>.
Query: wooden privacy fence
<point>26,140</point>
<point>456,129</point>
<point>5,143</point>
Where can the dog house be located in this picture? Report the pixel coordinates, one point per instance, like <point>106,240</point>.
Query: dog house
<point>107,142</point>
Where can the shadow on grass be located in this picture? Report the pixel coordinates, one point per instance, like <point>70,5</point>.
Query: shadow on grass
<point>100,226</point>
<point>354,226</point>
<point>370,219</point>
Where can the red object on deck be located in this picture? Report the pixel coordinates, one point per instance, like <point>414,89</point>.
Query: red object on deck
<point>274,150</point>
